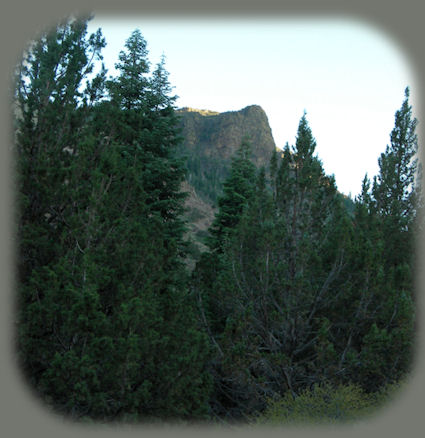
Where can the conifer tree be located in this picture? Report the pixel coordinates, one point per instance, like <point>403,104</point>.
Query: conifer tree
<point>237,190</point>
<point>49,124</point>
<point>149,136</point>
<point>393,202</point>
<point>207,279</point>
<point>395,187</point>
<point>278,282</point>
<point>357,305</point>
<point>378,304</point>
<point>106,324</point>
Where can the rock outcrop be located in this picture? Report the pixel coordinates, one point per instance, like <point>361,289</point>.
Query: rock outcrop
<point>219,135</point>
<point>210,141</point>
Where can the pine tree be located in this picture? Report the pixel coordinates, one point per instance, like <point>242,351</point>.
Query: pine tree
<point>393,200</point>
<point>394,189</point>
<point>359,303</point>
<point>237,190</point>
<point>106,323</point>
<point>49,122</point>
<point>207,279</point>
<point>378,304</point>
<point>311,261</point>
<point>277,283</point>
<point>149,136</point>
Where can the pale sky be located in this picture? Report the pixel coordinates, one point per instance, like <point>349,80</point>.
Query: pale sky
<point>347,75</point>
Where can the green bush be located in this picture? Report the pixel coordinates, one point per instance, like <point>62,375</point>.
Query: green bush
<point>321,404</point>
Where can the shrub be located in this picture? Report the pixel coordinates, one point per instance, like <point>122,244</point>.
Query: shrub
<point>321,404</point>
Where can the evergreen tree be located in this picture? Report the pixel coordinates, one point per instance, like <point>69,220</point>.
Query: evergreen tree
<point>149,135</point>
<point>292,290</point>
<point>378,304</point>
<point>359,303</point>
<point>394,189</point>
<point>279,279</point>
<point>387,351</point>
<point>213,304</point>
<point>49,124</point>
<point>106,323</point>
<point>237,190</point>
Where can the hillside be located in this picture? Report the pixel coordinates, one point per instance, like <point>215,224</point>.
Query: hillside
<point>210,141</point>
<point>297,312</point>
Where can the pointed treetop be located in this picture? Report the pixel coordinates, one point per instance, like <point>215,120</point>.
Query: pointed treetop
<point>305,142</point>
<point>403,136</point>
<point>161,87</point>
<point>129,89</point>
<point>364,197</point>
<point>394,187</point>
<point>134,59</point>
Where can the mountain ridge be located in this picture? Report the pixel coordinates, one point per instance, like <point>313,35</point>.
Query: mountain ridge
<point>211,139</point>
<point>221,133</point>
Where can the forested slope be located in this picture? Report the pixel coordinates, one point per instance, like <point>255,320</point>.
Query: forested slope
<point>211,139</point>
<point>293,294</point>
<point>295,291</point>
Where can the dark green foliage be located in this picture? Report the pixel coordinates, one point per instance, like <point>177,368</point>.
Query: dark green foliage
<point>206,176</point>
<point>299,285</point>
<point>276,265</point>
<point>107,327</point>
<point>297,292</point>
<point>392,206</point>
<point>237,190</point>
<point>379,301</point>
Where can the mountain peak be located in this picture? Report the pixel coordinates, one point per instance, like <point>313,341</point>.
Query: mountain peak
<point>211,139</point>
<point>253,108</point>
<point>250,109</point>
<point>202,112</point>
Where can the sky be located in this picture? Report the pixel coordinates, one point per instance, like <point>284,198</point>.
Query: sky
<point>348,76</point>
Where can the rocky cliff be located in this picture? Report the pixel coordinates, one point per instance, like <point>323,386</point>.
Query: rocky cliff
<point>220,134</point>
<point>210,141</point>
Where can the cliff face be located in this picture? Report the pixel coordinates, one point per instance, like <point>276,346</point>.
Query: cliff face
<point>220,134</point>
<point>210,141</point>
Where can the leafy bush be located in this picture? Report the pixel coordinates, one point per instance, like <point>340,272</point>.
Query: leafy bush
<point>321,404</point>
